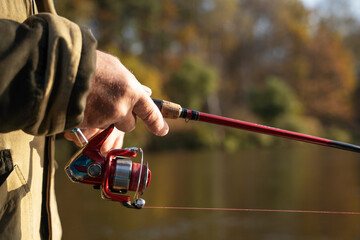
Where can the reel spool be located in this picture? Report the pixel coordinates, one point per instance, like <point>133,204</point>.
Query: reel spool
<point>115,174</point>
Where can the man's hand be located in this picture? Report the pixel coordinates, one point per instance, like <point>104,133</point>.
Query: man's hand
<point>116,97</point>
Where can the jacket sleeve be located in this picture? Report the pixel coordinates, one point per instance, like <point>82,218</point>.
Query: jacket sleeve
<point>46,64</point>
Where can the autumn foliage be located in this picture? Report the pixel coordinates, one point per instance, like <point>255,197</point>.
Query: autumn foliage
<point>218,56</point>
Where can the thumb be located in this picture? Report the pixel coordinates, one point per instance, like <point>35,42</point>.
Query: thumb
<point>149,113</point>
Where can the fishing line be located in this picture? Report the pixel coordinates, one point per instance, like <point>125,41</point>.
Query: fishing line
<point>256,210</point>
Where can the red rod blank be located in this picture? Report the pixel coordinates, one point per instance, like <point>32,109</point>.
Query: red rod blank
<point>229,122</point>
<point>173,110</point>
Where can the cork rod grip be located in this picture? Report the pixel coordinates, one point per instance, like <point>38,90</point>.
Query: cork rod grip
<point>168,109</point>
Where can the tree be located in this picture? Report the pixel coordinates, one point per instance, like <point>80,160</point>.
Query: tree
<point>274,100</point>
<point>192,83</point>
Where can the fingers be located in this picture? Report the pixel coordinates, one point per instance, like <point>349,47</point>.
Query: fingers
<point>114,141</point>
<point>70,136</point>
<point>127,123</point>
<point>88,133</point>
<point>147,111</point>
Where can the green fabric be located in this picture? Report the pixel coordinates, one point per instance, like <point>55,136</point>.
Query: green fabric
<point>43,83</point>
<point>81,86</point>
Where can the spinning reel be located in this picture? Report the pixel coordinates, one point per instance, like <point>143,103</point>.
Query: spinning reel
<point>115,174</point>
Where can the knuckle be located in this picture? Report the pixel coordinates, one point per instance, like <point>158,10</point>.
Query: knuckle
<point>125,127</point>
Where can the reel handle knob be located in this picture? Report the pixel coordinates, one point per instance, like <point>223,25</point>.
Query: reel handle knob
<point>139,203</point>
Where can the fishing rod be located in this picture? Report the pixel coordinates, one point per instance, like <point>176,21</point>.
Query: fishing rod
<point>173,111</point>
<point>116,173</point>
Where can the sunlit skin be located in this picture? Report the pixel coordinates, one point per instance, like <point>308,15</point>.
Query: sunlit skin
<point>116,97</point>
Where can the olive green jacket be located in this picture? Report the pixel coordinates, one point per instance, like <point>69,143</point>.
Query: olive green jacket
<point>46,64</point>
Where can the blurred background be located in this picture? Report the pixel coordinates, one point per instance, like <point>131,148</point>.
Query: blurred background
<point>291,64</point>
<point>282,63</point>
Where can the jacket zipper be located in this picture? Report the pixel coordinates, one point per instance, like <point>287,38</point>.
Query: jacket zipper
<point>46,227</point>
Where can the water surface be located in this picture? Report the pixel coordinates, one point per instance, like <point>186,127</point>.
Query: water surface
<point>300,177</point>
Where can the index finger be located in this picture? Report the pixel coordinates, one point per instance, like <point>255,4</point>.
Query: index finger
<point>149,113</point>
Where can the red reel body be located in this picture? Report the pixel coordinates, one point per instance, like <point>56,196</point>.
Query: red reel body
<point>115,173</point>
